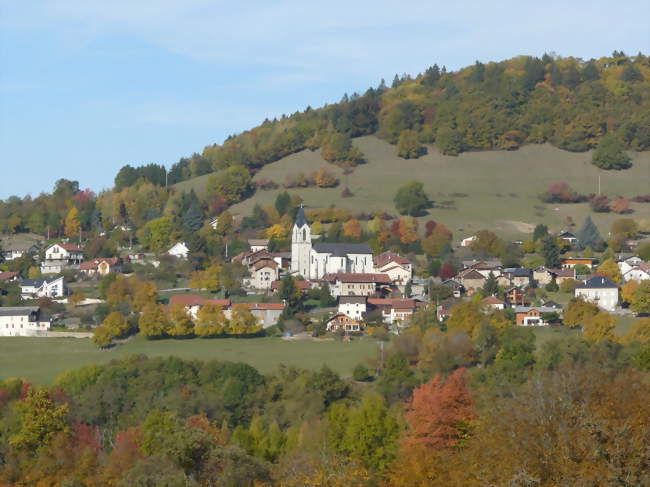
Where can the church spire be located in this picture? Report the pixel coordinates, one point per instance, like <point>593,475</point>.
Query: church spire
<point>300,217</point>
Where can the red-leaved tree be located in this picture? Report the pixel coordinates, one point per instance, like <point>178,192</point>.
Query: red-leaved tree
<point>440,412</point>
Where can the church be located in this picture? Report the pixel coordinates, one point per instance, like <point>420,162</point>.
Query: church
<point>314,260</point>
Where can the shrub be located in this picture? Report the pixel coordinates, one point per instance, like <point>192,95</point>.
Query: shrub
<point>561,193</point>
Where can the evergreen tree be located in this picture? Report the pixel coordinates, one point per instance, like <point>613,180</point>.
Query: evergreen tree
<point>193,218</point>
<point>631,74</point>
<point>396,82</point>
<point>283,203</point>
<point>588,235</point>
<point>590,72</point>
<point>491,286</point>
<point>551,252</point>
<point>540,231</point>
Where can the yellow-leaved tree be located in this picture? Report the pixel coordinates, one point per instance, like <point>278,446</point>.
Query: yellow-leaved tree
<point>210,321</point>
<point>610,270</point>
<point>72,223</point>
<point>243,321</point>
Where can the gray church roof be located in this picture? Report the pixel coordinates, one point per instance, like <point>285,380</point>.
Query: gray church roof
<point>300,218</point>
<point>341,249</point>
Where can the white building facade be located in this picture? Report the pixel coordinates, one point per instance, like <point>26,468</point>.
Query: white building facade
<point>599,290</point>
<point>23,321</point>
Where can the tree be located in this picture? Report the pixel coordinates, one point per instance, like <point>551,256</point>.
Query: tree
<point>352,229</point>
<point>156,234</point>
<point>641,299</point>
<point>600,204</point>
<point>578,312</point>
<point>540,232</point>
<point>631,74</point>
<point>449,141</point>
<point>609,268</point>
<point>610,154</point>
<point>408,145</point>
<point>283,203</point>
<point>72,223</point>
<point>325,179</point>
<point>491,286</point>
<point>397,379</point>
<point>588,235</point>
<point>209,278</point>
<point>180,322</point>
<point>243,321</point>
<point>639,332</point>
<point>620,205</point>
<point>625,227</point>
<point>600,327</point>
<point>114,325</point>
<point>643,251</point>
<point>551,252</point>
<point>361,373</point>
<point>211,321</point>
<point>193,218</point>
<point>232,184</point>
<point>627,291</point>
<point>40,419</point>
<point>153,322</point>
<point>411,199</point>
<point>441,412</point>
<point>438,241</point>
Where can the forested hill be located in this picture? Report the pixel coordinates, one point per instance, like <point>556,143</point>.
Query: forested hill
<point>568,102</point>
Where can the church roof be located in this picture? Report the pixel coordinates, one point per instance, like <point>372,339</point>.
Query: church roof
<point>300,218</point>
<point>341,249</point>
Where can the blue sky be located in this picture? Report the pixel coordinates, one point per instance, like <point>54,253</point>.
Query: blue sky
<point>87,86</point>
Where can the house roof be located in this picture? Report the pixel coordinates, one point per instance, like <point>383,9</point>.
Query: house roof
<point>395,303</point>
<point>471,274</point>
<point>39,282</point>
<point>5,276</point>
<point>563,272</point>
<point>388,257</point>
<point>93,264</point>
<point>16,245</point>
<point>257,242</point>
<point>364,277</point>
<point>541,309</point>
<point>68,246</point>
<point>493,300</point>
<point>518,271</point>
<point>597,282</point>
<point>300,218</point>
<point>352,300</point>
<point>342,249</point>
<point>18,310</point>
<point>452,283</point>
<point>264,262</point>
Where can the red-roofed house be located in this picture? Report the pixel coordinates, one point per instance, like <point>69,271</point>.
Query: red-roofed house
<point>266,313</point>
<point>342,321</point>
<point>8,276</point>
<point>399,269</point>
<point>101,266</point>
<point>397,311</point>
<point>494,302</point>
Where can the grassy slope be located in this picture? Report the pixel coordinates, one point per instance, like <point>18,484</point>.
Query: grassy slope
<point>40,360</point>
<point>502,186</point>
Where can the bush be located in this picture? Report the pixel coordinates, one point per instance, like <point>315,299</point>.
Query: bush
<point>610,154</point>
<point>561,193</point>
<point>599,204</point>
<point>569,286</point>
<point>552,287</point>
<point>361,373</point>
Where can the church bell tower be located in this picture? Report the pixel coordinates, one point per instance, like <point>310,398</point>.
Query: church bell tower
<point>301,245</point>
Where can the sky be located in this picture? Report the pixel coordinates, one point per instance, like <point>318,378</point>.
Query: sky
<point>87,86</point>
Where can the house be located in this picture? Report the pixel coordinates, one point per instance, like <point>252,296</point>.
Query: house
<point>561,275</point>
<point>266,313</point>
<point>101,266</point>
<point>494,303</point>
<point>263,273</point>
<point>515,296</point>
<point>214,223</point>
<point>23,321</point>
<point>527,316</point>
<point>444,309</point>
<point>15,249</point>
<point>8,276</point>
<point>396,311</point>
<point>399,269</point>
<point>542,276</point>
<point>599,290</point>
<point>570,262</point>
<point>471,279</point>
<point>341,321</point>
<point>257,244</point>
<point>568,237</point>
<point>515,276</point>
<point>457,288</point>
<point>352,306</point>
<point>61,256</point>
<point>314,261</point>
<point>50,287</point>
<point>349,284</point>
<point>638,273</point>
<point>179,250</point>
<point>303,286</point>
<point>626,265</point>
<point>466,242</point>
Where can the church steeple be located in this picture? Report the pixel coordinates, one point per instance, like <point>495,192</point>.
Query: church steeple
<point>301,221</point>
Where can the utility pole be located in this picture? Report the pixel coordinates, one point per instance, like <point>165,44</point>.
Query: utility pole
<point>599,185</point>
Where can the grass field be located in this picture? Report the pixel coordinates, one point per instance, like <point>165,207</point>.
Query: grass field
<point>40,360</point>
<point>502,187</point>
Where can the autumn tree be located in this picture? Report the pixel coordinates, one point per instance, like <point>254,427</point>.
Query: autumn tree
<point>243,321</point>
<point>600,327</point>
<point>409,146</point>
<point>208,278</point>
<point>325,179</point>
<point>40,419</point>
<point>437,240</point>
<point>620,205</point>
<point>352,229</point>
<point>609,269</point>
<point>578,312</point>
<point>640,302</point>
<point>72,223</point>
<point>210,321</point>
<point>153,321</point>
<point>232,184</point>
<point>180,323</point>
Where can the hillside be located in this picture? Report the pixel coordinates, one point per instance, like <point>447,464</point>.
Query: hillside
<point>502,187</point>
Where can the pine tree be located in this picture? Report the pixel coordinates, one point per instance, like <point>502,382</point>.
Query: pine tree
<point>588,235</point>
<point>551,252</point>
<point>193,218</point>
<point>491,286</point>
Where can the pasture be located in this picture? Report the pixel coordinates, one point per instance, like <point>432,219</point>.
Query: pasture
<point>40,360</point>
<point>496,190</point>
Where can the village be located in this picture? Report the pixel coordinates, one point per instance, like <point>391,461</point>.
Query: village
<point>356,291</point>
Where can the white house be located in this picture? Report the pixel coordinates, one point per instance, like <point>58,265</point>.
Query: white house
<point>398,268</point>
<point>466,242</point>
<point>14,250</point>
<point>351,284</point>
<point>638,273</point>
<point>263,272</point>
<point>61,256</point>
<point>532,316</point>
<point>352,306</point>
<point>23,321</point>
<point>313,261</point>
<point>629,264</point>
<point>50,287</point>
<point>179,250</point>
<point>599,290</point>
<point>258,244</point>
